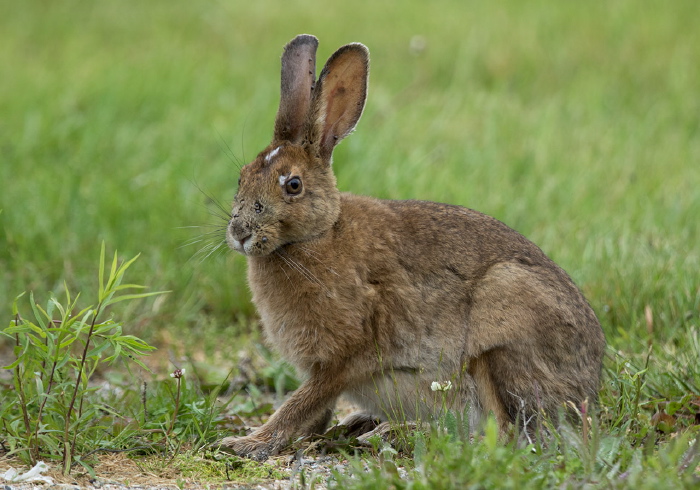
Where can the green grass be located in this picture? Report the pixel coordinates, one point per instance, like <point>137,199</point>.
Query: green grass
<point>578,124</point>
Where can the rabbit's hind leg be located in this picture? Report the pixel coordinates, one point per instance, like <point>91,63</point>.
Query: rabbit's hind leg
<point>532,343</point>
<point>487,392</point>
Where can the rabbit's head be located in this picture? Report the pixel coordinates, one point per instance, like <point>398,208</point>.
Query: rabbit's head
<point>288,193</point>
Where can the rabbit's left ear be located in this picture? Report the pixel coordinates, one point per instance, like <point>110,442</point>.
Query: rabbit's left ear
<point>338,98</point>
<point>298,76</point>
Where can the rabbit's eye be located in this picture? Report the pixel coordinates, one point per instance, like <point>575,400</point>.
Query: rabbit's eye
<point>293,186</point>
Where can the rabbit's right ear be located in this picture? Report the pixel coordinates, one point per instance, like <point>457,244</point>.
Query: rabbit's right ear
<point>298,77</point>
<point>338,99</point>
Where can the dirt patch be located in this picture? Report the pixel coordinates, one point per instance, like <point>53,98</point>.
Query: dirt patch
<point>121,472</point>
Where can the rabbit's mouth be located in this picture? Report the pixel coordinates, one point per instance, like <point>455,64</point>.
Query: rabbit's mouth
<point>239,244</point>
<point>249,243</point>
<point>244,244</point>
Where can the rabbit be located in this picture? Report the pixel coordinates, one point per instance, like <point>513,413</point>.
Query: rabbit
<point>377,300</point>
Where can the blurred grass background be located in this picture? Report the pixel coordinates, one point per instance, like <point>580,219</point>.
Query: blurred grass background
<point>576,123</point>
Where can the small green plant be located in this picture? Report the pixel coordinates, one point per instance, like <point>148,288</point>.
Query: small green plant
<point>56,354</point>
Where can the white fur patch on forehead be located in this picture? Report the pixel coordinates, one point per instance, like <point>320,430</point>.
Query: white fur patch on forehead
<point>272,154</point>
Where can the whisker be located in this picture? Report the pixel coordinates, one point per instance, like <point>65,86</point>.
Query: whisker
<point>213,200</point>
<point>291,266</point>
<point>218,215</point>
<point>231,155</point>
<point>219,211</point>
<point>245,122</point>
<point>314,255</point>
<point>213,235</point>
<point>208,250</point>
<point>195,241</point>
<point>299,267</point>
<point>213,232</point>
<point>294,265</point>
<point>284,271</point>
<point>218,226</point>
<point>213,240</point>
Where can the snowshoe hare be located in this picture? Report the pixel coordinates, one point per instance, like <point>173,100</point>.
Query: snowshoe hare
<point>376,300</point>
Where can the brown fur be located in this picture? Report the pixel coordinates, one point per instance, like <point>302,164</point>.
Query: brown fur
<point>377,299</point>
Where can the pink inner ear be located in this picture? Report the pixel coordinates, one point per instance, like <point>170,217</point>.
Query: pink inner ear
<point>344,89</point>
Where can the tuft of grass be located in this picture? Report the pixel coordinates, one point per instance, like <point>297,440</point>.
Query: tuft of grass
<point>442,459</point>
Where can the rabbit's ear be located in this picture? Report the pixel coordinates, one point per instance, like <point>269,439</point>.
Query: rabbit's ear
<point>298,76</point>
<point>338,98</point>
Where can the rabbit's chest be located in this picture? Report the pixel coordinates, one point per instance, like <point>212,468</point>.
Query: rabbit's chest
<point>311,320</point>
<point>307,334</point>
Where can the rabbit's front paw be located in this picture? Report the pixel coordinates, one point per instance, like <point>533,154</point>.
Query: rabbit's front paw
<point>248,447</point>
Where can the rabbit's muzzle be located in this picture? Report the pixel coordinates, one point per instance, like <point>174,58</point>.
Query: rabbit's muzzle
<point>247,236</point>
<point>239,235</point>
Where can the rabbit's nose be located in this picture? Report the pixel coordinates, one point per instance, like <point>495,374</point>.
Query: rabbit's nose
<point>238,231</point>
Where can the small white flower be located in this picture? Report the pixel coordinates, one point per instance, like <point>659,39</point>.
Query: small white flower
<point>437,386</point>
<point>178,373</point>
